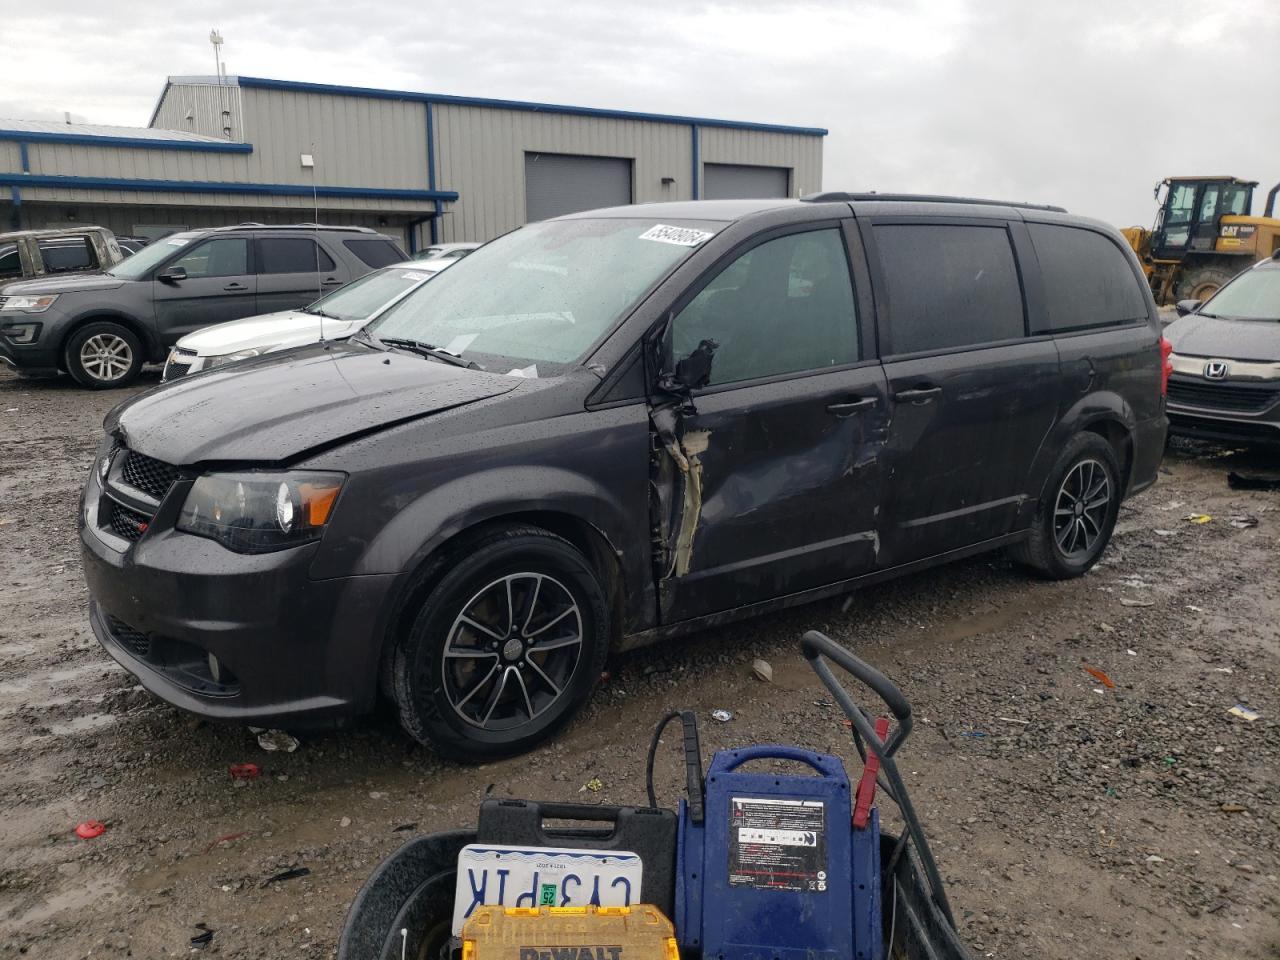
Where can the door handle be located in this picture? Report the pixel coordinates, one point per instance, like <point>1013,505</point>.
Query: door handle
<point>850,407</point>
<point>330,281</point>
<point>919,395</point>
<point>235,286</point>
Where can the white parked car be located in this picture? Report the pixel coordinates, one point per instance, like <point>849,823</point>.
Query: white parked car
<point>445,251</point>
<point>335,316</point>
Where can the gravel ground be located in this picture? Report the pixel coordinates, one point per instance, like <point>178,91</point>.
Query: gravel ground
<point>1070,819</point>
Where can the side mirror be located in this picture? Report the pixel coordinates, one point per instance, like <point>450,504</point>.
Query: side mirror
<point>1187,306</point>
<point>690,373</point>
<point>172,275</point>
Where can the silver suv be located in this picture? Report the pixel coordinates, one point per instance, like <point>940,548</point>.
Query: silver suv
<point>102,327</point>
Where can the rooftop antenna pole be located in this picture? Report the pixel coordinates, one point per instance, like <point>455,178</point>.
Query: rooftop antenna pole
<point>216,39</point>
<point>308,161</point>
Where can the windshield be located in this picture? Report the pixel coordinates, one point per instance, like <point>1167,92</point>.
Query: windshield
<point>361,299</point>
<point>141,263</point>
<point>544,293</point>
<point>1251,296</point>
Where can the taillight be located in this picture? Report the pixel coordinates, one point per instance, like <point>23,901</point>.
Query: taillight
<point>1166,365</point>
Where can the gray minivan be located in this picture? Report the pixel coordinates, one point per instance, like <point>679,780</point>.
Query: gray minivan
<point>102,327</point>
<point>614,428</point>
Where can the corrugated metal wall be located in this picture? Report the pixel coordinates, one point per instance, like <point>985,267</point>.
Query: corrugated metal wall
<point>803,154</point>
<point>356,141</point>
<point>198,108</point>
<point>480,153</point>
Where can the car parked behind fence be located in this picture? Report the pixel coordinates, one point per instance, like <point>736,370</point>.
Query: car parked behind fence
<point>101,328</point>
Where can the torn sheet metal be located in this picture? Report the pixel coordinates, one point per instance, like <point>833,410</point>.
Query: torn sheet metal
<point>677,482</point>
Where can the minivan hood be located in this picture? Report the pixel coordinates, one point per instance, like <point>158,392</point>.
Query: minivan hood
<point>279,406</point>
<point>289,328</point>
<point>1199,336</point>
<point>63,283</point>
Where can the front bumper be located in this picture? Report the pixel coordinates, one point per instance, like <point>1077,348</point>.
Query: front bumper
<point>32,358</point>
<point>287,648</point>
<point>1230,411</point>
<point>1148,451</point>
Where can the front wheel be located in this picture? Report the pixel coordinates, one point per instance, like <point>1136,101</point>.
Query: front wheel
<point>102,355</point>
<point>1077,511</point>
<point>505,648</point>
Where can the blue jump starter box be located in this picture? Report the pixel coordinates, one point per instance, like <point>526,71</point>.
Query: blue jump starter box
<point>776,870</point>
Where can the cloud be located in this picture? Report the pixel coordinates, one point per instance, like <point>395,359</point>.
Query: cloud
<point>1086,105</point>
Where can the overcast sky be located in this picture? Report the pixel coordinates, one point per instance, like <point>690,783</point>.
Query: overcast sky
<point>1083,104</point>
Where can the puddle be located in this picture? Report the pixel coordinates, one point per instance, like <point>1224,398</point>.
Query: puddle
<point>89,893</point>
<point>52,679</point>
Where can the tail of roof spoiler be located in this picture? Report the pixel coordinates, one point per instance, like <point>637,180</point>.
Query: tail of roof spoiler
<point>837,196</point>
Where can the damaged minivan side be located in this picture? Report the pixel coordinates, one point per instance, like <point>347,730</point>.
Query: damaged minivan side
<point>617,427</point>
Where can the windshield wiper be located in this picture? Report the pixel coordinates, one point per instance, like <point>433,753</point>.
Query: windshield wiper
<point>429,350</point>
<point>321,313</point>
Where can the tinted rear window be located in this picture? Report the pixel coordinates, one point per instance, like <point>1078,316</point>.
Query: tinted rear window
<point>1087,280</point>
<point>291,255</point>
<point>949,286</point>
<point>375,253</point>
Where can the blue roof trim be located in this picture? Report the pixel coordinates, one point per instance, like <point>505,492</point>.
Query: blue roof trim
<point>217,186</point>
<point>343,91</point>
<point>146,143</point>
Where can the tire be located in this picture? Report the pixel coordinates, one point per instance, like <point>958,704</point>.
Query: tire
<point>103,354</point>
<point>1200,283</point>
<point>479,675</point>
<point>1064,546</point>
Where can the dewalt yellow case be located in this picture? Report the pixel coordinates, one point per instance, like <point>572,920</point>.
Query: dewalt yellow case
<point>569,933</point>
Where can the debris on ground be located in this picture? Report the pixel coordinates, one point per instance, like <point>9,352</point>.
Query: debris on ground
<point>595,785</point>
<point>1127,602</point>
<point>762,670</point>
<point>405,827</point>
<point>277,740</point>
<point>204,938</point>
<point>1253,481</point>
<point>293,874</point>
<point>1244,713</point>
<point>724,716</point>
<point>244,771</point>
<point>90,829</point>
<point>1101,677</point>
<point>226,838</point>
<point>1243,522</point>
<point>1197,518</point>
<point>344,822</point>
<point>1233,808</point>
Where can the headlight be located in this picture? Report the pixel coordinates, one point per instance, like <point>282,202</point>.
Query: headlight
<point>260,512</point>
<point>106,452</point>
<point>21,332</point>
<point>217,361</point>
<point>38,304</point>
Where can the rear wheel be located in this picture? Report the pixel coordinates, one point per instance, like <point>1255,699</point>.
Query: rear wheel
<point>1200,283</point>
<point>103,354</point>
<point>1077,511</point>
<point>505,647</point>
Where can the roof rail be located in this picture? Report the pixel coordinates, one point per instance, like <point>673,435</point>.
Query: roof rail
<point>838,196</point>
<point>295,226</point>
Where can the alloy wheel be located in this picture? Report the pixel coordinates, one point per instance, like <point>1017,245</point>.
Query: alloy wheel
<point>1080,512</point>
<point>512,651</point>
<point>106,357</point>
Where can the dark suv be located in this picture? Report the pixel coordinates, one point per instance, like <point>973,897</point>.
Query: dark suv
<point>102,327</point>
<point>613,428</point>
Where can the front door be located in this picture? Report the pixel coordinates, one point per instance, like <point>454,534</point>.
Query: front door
<point>219,286</point>
<point>971,396</point>
<point>783,450</point>
<point>293,272</point>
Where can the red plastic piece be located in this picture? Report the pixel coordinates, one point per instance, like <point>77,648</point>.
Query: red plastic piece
<point>90,829</point>
<point>866,793</point>
<point>244,771</point>
<point>1166,365</point>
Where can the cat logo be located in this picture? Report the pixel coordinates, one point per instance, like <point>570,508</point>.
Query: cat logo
<point>571,953</point>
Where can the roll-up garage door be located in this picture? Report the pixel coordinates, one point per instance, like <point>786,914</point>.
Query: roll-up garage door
<point>729,181</point>
<point>558,183</point>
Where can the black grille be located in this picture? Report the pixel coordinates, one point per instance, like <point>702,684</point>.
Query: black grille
<point>1223,396</point>
<point>150,476</point>
<point>126,636</point>
<point>126,523</point>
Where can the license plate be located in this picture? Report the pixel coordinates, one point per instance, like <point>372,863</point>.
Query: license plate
<point>543,876</point>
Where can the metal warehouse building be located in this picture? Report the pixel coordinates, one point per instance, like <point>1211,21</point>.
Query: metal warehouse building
<point>419,167</point>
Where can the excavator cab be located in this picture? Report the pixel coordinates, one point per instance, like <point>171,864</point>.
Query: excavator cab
<point>1190,212</point>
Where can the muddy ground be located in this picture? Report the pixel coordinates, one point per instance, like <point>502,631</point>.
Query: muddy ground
<point>1070,819</point>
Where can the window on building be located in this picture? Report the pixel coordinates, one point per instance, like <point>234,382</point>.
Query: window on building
<point>292,255</point>
<point>221,257</point>
<point>783,307</point>
<point>375,252</point>
<point>1088,281</point>
<point>949,286</point>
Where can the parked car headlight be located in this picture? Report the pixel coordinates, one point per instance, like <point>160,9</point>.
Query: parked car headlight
<point>217,361</point>
<point>33,304</point>
<point>260,512</point>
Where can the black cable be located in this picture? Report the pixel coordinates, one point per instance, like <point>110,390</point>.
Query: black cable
<point>653,753</point>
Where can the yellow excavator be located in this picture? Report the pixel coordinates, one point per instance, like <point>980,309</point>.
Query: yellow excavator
<point>1203,235</point>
